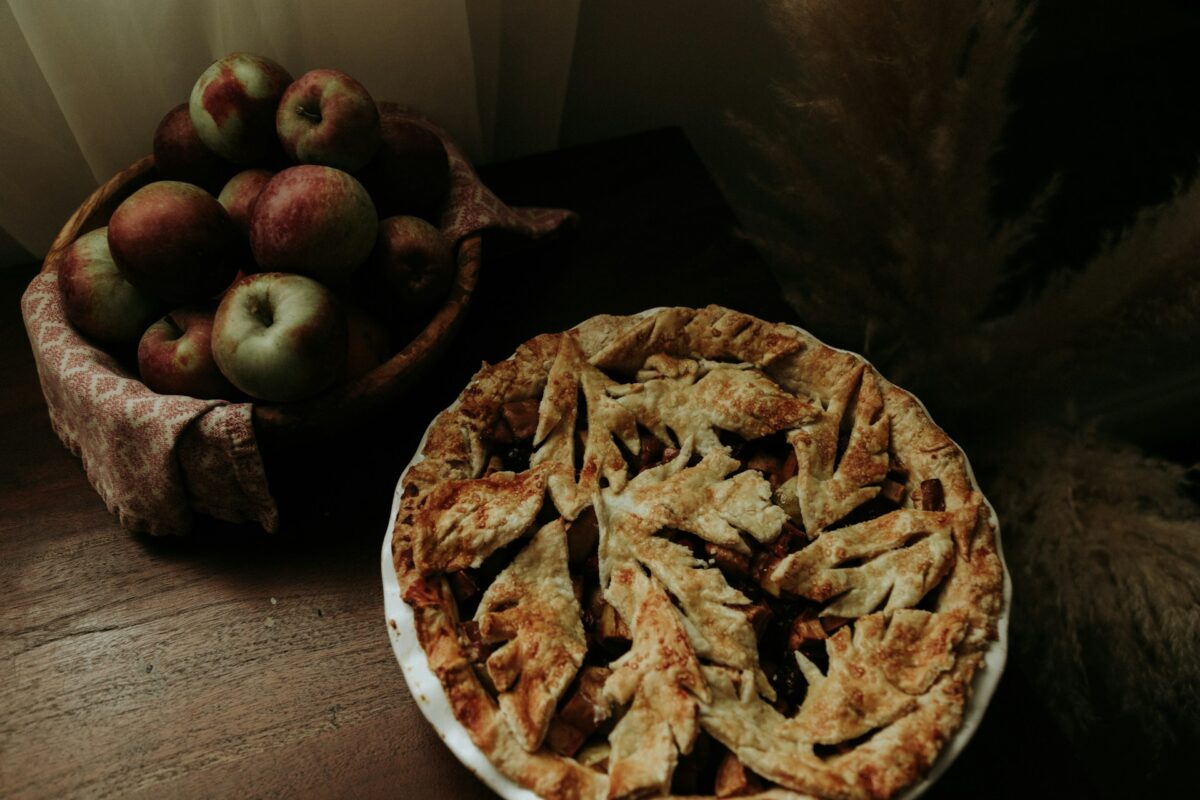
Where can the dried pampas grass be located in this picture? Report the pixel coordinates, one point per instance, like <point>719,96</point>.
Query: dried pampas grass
<point>880,184</point>
<point>1139,297</point>
<point>1105,549</point>
<point>874,211</point>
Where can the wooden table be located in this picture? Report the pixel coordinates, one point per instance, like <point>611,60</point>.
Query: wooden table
<point>232,663</point>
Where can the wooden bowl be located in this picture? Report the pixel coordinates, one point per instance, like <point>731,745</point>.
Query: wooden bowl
<point>346,409</point>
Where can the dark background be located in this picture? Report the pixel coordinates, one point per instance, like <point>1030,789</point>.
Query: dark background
<point>1105,98</point>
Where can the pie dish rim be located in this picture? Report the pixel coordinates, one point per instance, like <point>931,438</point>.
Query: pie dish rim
<point>430,695</point>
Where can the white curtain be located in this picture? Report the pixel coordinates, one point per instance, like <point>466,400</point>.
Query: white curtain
<point>85,83</point>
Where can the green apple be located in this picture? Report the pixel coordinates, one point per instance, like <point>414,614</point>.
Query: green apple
<point>279,337</point>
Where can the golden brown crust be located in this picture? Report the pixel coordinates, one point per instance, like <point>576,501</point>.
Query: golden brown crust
<point>659,678</point>
<point>909,553</point>
<point>828,486</point>
<point>898,677</point>
<point>569,376</point>
<point>531,607</point>
<point>462,522</point>
<point>434,615</point>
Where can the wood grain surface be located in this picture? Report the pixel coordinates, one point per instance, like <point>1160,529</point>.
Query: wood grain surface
<point>235,664</point>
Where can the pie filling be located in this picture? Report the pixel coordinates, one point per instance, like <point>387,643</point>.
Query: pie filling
<point>693,580</point>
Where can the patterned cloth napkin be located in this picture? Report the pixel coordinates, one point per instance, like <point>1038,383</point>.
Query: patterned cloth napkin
<point>157,460</point>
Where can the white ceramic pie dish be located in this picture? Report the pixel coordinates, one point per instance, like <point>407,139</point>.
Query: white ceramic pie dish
<point>427,690</point>
<point>423,685</point>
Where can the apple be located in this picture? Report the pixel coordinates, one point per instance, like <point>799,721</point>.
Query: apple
<point>326,117</point>
<point>175,356</point>
<point>313,220</point>
<point>96,298</point>
<point>280,337</point>
<point>174,241</point>
<point>180,155</point>
<point>410,269</point>
<point>368,342</point>
<point>410,175</point>
<point>239,194</point>
<point>233,105</point>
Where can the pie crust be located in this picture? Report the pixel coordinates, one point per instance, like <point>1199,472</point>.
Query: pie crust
<point>602,540</point>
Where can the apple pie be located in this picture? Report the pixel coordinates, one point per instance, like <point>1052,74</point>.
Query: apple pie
<point>690,552</point>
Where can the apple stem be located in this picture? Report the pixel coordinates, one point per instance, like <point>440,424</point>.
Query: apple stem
<point>175,326</point>
<point>315,116</point>
<point>263,312</point>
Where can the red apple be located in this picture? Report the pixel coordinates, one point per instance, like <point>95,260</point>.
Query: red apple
<point>175,241</point>
<point>180,155</point>
<point>279,337</point>
<point>410,174</point>
<point>410,270</point>
<point>368,342</point>
<point>233,107</point>
<point>239,194</point>
<point>327,117</point>
<point>313,220</point>
<point>96,298</point>
<point>175,356</point>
